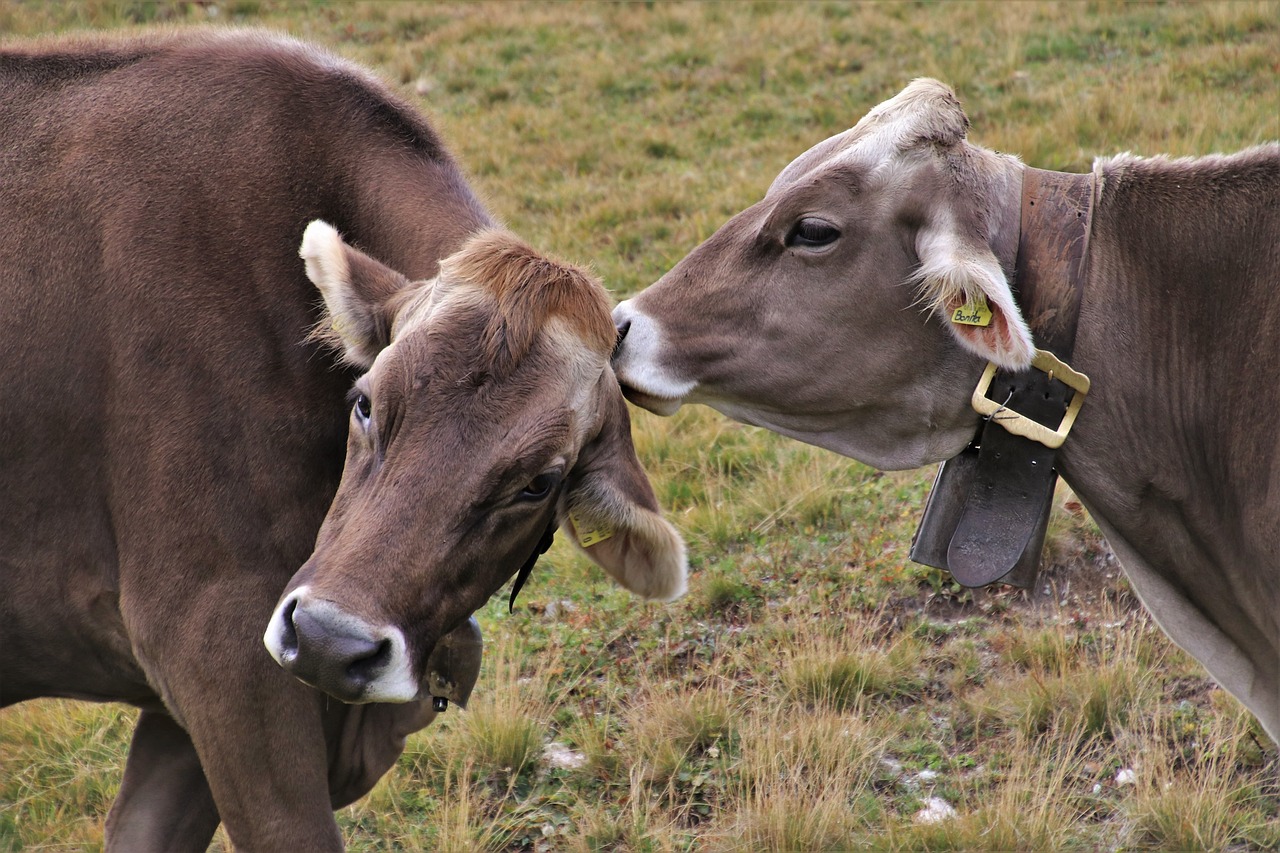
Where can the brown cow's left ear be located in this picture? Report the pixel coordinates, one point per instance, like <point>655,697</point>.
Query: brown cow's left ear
<point>611,512</point>
<point>360,294</point>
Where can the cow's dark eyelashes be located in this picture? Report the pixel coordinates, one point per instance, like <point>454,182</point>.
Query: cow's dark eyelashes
<point>812,233</point>
<point>541,486</point>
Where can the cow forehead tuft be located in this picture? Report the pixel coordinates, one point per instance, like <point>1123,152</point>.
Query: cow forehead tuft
<point>925,112</point>
<point>529,289</point>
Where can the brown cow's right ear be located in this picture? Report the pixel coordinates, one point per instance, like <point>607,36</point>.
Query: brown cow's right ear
<point>359,294</point>
<point>962,279</point>
<point>612,514</point>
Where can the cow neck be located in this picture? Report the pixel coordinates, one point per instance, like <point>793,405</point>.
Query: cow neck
<point>986,516</point>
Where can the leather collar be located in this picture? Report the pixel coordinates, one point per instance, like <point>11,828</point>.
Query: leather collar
<point>987,513</point>
<point>1053,254</point>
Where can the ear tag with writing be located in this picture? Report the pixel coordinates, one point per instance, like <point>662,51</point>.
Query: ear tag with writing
<point>975,312</point>
<point>588,536</point>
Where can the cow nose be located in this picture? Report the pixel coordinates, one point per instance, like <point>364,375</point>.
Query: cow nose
<point>623,327</point>
<point>330,649</point>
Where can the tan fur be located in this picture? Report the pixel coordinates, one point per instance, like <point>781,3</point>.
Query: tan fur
<point>529,289</point>
<point>645,554</point>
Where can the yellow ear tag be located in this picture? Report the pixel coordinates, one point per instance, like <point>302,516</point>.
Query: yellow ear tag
<point>975,312</point>
<point>593,536</point>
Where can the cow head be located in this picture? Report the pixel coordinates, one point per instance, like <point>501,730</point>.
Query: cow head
<point>822,312</point>
<point>488,413</point>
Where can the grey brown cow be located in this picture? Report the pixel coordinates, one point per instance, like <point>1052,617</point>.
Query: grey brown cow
<point>172,443</point>
<point>839,310</point>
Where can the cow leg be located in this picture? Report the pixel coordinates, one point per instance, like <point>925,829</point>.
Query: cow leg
<point>263,751</point>
<point>258,731</point>
<point>164,801</point>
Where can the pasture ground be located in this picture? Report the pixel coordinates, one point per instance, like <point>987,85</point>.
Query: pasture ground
<point>815,690</point>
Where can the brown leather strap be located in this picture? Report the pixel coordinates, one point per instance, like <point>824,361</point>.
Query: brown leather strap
<point>986,516</point>
<point>1052,256</point>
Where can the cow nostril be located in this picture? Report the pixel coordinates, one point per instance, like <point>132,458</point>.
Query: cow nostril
<point>366,669</point>
<point>289,631</point>
<point>623,328</point>
<point>335,651</point>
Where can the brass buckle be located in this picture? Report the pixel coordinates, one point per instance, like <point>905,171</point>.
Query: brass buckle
<point>1018,424</point>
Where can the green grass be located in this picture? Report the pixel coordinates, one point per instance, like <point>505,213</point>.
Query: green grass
<point>806,691</point>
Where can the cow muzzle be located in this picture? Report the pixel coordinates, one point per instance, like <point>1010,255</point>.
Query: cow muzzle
<point>340,653</point>
<point>638,363</point>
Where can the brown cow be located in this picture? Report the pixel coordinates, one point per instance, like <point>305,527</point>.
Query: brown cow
<point>171,441</point>
<point>825,312</point>
<point>488,400</point>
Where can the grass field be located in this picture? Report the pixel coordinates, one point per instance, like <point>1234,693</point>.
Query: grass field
<point>815,690</point>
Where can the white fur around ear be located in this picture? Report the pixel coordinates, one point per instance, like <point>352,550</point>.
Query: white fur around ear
<point>956,274</point>
<point>358,294</point>
<point>610,510</point>
<point>638,548</point>
<point>326,259</point>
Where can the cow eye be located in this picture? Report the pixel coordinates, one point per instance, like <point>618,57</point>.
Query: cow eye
<point>541,486</point>
<point>812,232</point>
<point>363,408</point>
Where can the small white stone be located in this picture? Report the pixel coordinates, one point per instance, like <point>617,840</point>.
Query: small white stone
<point>927,775</point>
<point>935,810</point>
<point>562,757</point>
<point>1097,789</point>
<point>1126,777</point>
<point>555,608</point>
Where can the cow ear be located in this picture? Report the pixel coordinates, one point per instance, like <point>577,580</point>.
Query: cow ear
<point>963,281</point>
<point>610,510</point>
<point>359,294</point>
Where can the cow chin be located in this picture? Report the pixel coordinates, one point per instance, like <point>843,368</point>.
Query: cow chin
<point>339,653</point>
<point>664,406</point>
<point>876,445</point>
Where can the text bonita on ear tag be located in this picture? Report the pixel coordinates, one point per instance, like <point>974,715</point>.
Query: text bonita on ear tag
<point>975,312</point>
